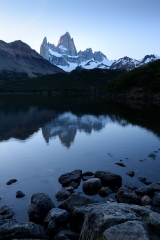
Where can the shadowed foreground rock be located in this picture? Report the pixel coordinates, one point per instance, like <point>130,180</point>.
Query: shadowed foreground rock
<point>119,221</point>
<point>40,205</point>
<point>12,230</point>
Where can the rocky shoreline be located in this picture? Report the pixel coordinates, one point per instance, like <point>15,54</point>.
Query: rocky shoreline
<point>133,215</point>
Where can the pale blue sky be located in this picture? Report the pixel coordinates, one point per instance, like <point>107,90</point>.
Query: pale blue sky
<point>118,28</point>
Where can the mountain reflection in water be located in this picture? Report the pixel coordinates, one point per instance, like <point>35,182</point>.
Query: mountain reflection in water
<point>24,116</point>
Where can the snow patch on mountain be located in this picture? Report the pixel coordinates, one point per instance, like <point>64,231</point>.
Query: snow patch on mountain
<point>65,56</point>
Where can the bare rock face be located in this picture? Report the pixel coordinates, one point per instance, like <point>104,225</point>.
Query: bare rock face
<point>19,57</point>
<point>44,49</point>
<point>66,45</point>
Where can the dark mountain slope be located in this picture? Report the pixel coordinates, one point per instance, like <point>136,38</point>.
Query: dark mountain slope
<point>17,59</point>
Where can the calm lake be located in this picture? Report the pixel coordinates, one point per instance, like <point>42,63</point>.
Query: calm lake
<point>42,137</point>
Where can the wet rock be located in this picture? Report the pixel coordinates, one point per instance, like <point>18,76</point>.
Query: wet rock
<point>142,179</point>
<point>14,230</point>
<point>109,179</point>
<point>146,200</point>
<point>67,233</point>
<point>104,192</point>
<point>130,173</point>
<point>124,195</point>
<point>133,230</point>
<point>85,178</point>
<point>62,195</point>
<point>120,164</point>
<point>88,174</point>
<point>69,189</point>
<point>11,181</point>
<point>154,186</point>
<point>144,191</point>
<point>19,194</point>
<point>76,200</point>
<point>91,186</point>
<point>73,184</point>
<point>40,205</point>
<point>67,178</point>
<point>130,186</point>
<point>60,216</point>
<point>152,155</point>
<point>6,212</point>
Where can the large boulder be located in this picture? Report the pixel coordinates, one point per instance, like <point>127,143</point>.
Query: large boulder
<point>40,205</point>
<point>14,230</point>
<point>133,230</point>
<point>76,200</point>
<point>109,179</point>
<point>125,195</point>
<point>67,178</point>
<point>100,218</point>
<point>91,186</point>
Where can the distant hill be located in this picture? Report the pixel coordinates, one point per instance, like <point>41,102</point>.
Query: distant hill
<point>138,82</point>
<point>18,60</point>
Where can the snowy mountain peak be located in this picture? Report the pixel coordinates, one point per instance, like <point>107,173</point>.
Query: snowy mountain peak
<point>65,56</point>
<point>66,44</point>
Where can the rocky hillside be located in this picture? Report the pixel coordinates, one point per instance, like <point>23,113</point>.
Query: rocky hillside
<point>140,82</point>
<point>65,56</point>
<point>17,59</point>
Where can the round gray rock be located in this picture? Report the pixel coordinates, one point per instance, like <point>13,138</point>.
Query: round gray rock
<point>91,186</point>
<point>109,179</point>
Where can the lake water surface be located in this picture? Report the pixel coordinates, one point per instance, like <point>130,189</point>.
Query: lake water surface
<point>42,137</point>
